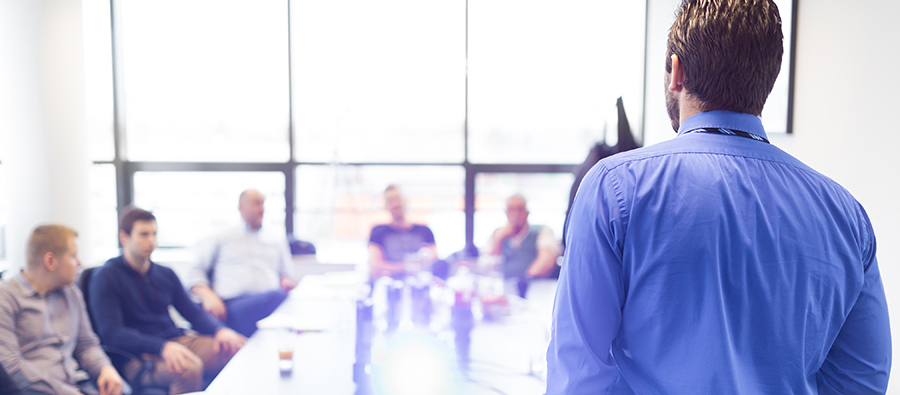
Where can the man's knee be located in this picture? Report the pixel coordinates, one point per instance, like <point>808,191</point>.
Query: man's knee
<point>193,367</point>
<point>193,371</point>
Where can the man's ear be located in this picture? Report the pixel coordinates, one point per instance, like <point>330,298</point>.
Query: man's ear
<point>49,261</point>
<point>122,237</point>
<point>676,82</point>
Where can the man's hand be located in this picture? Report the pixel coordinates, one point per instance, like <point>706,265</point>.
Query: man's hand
<point>109,382</point>
<point>211,302</point>
<point>177,357</point>
<point>498,237</point>
<point>505,232</point>
<point>228,341</point>
<point>287,283</point>
<point>215,307</point>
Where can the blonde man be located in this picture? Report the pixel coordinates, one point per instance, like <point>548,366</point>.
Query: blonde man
<point>45,332</point>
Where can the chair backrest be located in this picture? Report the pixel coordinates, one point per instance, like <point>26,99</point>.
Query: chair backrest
<point>84,282</point>
<point>300,247</point>
<point>7,385</point>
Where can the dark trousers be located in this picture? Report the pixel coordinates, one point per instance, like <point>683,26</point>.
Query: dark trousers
<point>243,311</point>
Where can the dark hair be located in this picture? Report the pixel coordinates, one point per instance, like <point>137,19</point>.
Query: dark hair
<point>132,215</point>
<point>730,51</point>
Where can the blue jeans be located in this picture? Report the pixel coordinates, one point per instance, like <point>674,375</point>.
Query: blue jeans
<point>243,311</point>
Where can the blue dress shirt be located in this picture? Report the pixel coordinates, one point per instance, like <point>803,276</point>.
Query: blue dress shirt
<point>717,264</point>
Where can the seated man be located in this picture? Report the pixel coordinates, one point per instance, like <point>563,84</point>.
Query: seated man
<point>393,246</point>
<point>45,333</point>
<point>527,251</point>
<point>243,274</point>
<point>130,298</point>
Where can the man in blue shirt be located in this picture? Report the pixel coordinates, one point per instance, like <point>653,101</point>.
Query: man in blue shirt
<point>130,298</point>
<point>401,245</point>
<point>715,263</point>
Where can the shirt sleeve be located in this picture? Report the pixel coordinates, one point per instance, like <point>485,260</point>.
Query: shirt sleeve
<point>859,361</point>
<point>286,262</point>
<point>376,236</point>
<point>590,292</point>
<point>545,239</point>
<point>199,319</point>
<point>23,373</point>
<point>489,246</point>
<point>88,353</point>
<point>105,298</point>
<point>427,235</point>
<point>205,254</point>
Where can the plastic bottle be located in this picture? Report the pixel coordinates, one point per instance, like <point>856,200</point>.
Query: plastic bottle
<point>463,285</point>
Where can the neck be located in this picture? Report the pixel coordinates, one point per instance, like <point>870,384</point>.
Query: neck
<point>688,106</point>
<point>138,263</point>
<point>518,229</point>
<point>41,284</point>
<point>400,223</point>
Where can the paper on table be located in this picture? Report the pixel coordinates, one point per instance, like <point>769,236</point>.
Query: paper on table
<point>303,324</point>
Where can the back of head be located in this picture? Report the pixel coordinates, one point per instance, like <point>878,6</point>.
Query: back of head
<point>730,50</point>
<point>132,215</point>
<point>48,238</point>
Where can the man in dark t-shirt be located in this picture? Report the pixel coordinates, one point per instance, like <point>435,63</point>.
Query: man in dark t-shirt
<point>400,246</point>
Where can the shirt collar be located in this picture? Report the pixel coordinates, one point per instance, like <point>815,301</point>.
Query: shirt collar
<point>723,119</point>
<point>27,289</point>
<point>124,263</point>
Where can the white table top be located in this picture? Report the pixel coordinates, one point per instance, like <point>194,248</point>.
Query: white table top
<point>506,355</point>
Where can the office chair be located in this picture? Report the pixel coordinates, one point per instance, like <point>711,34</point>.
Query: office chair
<point>7,386</point>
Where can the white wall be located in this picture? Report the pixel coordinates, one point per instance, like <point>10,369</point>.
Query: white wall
<point>42,114</point>
<point>847,92</point>
<point>846,100</point>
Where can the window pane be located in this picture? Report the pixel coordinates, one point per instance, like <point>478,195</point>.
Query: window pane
<point>104,220</point>
<point>190,206</point>
<point>206,80</point>
<point>378,81</point>
<point>337,206</point>
<point>546,194</point>
<point>98,79</point>
<point>544,77</point>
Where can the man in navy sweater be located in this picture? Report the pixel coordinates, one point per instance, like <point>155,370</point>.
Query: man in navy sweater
<point>130,298</point>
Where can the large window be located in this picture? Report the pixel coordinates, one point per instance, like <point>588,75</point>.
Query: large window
<point>321,104</point>
<point>544,77</point>
<point>379,81</point>
<point>205,80</point>
<point>337,206</point>
<point>192,205</point>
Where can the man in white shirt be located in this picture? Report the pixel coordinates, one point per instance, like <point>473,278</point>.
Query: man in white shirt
<point>243,274</point>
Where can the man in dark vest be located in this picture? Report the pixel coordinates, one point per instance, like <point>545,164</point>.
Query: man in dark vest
<point>528,251</point>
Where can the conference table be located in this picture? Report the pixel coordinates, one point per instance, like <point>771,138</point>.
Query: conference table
<point>318,321</point>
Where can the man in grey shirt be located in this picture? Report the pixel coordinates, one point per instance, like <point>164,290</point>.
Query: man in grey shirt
<point>45,332</point>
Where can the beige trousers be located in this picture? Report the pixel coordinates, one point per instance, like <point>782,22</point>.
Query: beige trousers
<point>191,379</point>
